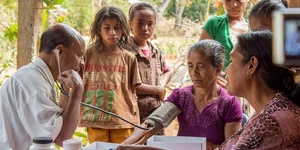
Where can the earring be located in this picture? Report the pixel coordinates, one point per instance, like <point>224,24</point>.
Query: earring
<point>250,76</point>
<point>122,40</point>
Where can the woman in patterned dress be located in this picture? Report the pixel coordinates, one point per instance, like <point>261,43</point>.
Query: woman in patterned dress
<point>272,92</point>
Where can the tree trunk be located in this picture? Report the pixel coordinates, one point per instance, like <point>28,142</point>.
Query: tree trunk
<point>179,6</point>
<point>29,30</point>
<point>207,10</point>
<point>161,8</point>
<point>293,3</point>
<point>97,5</point>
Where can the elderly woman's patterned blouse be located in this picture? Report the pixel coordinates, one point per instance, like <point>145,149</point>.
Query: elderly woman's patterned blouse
<point>277,127</point>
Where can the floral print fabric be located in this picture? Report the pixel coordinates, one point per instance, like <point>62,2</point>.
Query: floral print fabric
<point>277,127</point>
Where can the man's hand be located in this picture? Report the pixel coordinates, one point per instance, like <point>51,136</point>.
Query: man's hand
<point>70,79</point>
<point>70,104</point>
<point>137,135</point>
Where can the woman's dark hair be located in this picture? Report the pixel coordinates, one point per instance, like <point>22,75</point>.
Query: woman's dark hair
<point>281,79</point>
<point>212,49</point>
<point>263,9</point>
<point>108,12</point>
<point>285,3</point>
<point>139,6</point>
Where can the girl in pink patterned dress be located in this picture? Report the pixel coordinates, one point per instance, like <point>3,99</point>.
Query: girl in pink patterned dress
<point>272,92</point>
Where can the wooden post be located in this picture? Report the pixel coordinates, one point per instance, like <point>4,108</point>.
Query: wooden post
<point>29,30</point>
<point>207,10</point>
<point>97,5</point>
<point>294,3</point>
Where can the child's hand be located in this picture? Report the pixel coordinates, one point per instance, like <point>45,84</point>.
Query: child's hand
<point>162,93</point>
<point>222,82</point>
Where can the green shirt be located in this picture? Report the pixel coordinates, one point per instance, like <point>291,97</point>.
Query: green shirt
<point>217,27</point>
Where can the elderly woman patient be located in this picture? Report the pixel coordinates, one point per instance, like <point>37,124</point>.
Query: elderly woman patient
<point>271,91</point>
<point>204,109</point>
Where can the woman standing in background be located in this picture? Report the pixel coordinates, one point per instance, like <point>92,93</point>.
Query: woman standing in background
<point>225,28</point>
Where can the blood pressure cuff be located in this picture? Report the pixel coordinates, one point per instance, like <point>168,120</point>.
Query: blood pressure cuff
<point>163,115</point>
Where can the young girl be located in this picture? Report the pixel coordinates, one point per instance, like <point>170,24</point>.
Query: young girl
<point>153,69</point>
<point>110,76</point>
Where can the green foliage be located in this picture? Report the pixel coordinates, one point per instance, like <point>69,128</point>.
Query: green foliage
<point>4,68</point>
<point>9,29</point>
<point>44,20</point>
<point>122,4</point>
<point>8,36</point>
<point>11,32</point>
<point>171,48</point>
<point>51,3</point>
<point>175,45</point>
<point>52,13</point>
<point>79,135</point>
<point>11,4</point>
<point>220,10</point>
<point>80,14</point>
<point>57,147</point>
<point>195,10</point>
<point>155,2</point>
<point>6,62</point>
<point>82,136</point>
<point>170,10</point>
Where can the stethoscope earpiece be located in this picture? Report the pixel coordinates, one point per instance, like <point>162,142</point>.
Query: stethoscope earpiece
<point>57,53</point>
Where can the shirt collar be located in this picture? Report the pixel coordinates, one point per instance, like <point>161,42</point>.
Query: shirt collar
<point>136,50</point>
<point>45,69</point>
